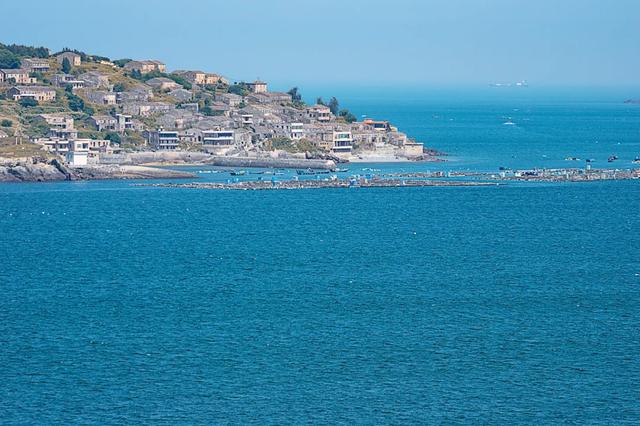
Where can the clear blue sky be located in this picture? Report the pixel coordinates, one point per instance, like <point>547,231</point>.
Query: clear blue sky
<point>421,42</point>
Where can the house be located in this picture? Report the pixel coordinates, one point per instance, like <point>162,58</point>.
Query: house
<point>319,113</point>
<point>74,58</point>
<point>145,66</point>
<point>270,98</point>
<point>104,122</point>
<point>101,97</point>
<point>126,122</point>
<point>181,94</point>
<point>297,131</point>
<point>217,140</point>
<point>213,79</point>
<point>163,140</point>
<point>381,126</point>
<point>17,76</point>
<point>163,83</point>
<point>95,80</point>
<point>135,94</point>
<point>146,108</point>
<point>60,126</point>
<point>64,80</point>
<point>342,142</point>
<point>257,87</point>
<point>230,99</point>
<point>38,93</point>
<point>78,152</point>
<point>36,64</point>
<point>412,148</point>
<point>194,77</point>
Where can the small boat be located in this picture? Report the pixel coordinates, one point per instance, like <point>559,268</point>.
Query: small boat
<point>305,172</point>
<point>509,123</point>
<point>238,173</point>
<point>636,160</point>
<point>572,159</point>
<point>342,170</point>
<point>589,160</point>
<point>612,158</point>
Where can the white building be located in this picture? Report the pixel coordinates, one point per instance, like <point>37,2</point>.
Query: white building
<point>342,142</point>
<point>297,131</point>
<point>78,153</point>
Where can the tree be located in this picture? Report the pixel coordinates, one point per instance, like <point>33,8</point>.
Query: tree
<point>66,66</point>
<point>334,106</point>
<point>119,87</point>
<point>113,137</point>
<point>122,62</point>
<point>295,95</point>
<point>320,101</point>
<point>6,123</point>
<point>28,102</point>
<point>8,59</point>
<point>75,102</point>
<point>348,116</point>
<point>239,89</point>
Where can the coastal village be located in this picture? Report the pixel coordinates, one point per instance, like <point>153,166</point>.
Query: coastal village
<point>85,109</point>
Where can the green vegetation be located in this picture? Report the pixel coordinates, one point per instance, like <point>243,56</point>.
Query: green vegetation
<point>119,87</point>
<point>113,137</point>
<point>6,123</point>
<point>154,74</point>
<point>26,51</point>
<point>240,89</point>
<point>122,62</point>
<point>286,144</point>
<point>296,98</point>
<point>77,104</point>
<point>348,116</point>
<point>334,106</point>
<point>28,102</point>
<point>66,66</point>
<point>9,59</point>
<point>320,101</point>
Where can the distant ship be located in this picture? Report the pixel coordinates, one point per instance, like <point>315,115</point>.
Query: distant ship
<point>522,83</point>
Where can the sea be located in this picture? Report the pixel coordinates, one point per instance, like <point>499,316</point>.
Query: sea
<point>516,304</point>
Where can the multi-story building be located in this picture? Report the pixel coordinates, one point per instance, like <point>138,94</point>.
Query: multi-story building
<point>163,140</point>
<point>257,87</point>
<point>18,76</point>
<point>36,64</point>
<point>297,131</point>
<point>74,58</point>
<point>342,142</point>
<point>38,93</point>
<point>145,66</point>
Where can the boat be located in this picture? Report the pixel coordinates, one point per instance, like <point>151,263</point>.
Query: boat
<point>342,170</point>
<point>572,159</point>
<point>509,123</point>
<point>612,158</point>
<point>238,173</point>
<point>636,160</point>
<point>312,172</point>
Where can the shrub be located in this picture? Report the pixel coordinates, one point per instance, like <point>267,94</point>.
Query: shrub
<point>6,123</point>
<point>28,102</point>
<point>9,59</point>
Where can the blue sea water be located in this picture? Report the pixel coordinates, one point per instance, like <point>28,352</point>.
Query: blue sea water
<point>498,305</point>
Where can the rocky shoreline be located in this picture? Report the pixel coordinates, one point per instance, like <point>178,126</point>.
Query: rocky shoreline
<point>51,170</point>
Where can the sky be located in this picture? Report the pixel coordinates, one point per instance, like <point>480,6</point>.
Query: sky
<point>352,42</point>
